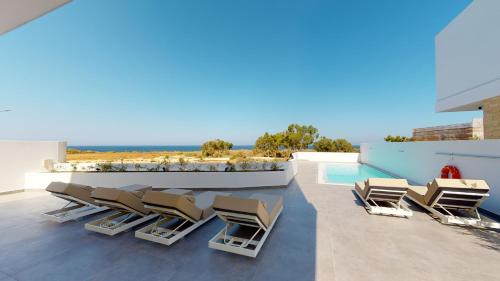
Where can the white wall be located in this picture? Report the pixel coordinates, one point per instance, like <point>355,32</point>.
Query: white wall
<point>327,156</point>
<point>419,163</point>
<point>40,180</point>
<point>20,157</point>
<point>468,58</point>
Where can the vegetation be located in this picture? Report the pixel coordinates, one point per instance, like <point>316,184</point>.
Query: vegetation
<point>215,148</point>
<point>325,144</point>
<point>298,137</point>
<point>390,138</point>
<point>268,144</point>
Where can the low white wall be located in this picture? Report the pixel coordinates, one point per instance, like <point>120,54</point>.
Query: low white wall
<point>419,162</point>
<point>168,179</point>
<point>20,157</point>
<point>344,157</point>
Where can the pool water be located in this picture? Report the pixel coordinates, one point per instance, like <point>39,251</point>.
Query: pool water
<point>349,173</point>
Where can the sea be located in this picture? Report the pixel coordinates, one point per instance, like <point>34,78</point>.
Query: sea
<point>147,148</point>
<point>151,148</point>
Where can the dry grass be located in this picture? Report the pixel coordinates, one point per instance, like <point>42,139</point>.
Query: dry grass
<point>156,156</point>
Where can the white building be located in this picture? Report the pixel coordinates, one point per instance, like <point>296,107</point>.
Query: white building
<point>468,64</point>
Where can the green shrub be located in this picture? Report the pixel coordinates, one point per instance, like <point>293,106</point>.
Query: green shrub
<point>390,138</point>
<point>325,144</point>
<point>299,137</point>
<point>268,144</point>
<point>215,148</point>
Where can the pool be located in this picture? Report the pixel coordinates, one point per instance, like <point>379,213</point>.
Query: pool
<point>348,173</point>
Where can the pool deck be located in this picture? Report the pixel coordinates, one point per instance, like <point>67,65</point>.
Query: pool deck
<point>324,233</point>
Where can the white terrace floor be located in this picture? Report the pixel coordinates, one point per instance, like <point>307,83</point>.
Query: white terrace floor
<point>323,234</point>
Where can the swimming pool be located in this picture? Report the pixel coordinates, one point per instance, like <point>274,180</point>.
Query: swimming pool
<point>348,173</point>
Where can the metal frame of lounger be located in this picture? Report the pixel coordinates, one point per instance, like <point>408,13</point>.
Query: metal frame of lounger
<point>123,219</point>
<point>238,245</point>
<point>397,209</point>
<point>74,209</point>
<point>155,232</point>
<point>441,210</point>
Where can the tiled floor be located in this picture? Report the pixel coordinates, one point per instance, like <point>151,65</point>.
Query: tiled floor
<point>323,234</point>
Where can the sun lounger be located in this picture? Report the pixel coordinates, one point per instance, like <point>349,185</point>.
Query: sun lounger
<point>383,196</point>
<point>79,204</point>
<point>129,210</point>
<point>248,222</point>
<point>453,201</point>
<point>179,211</point>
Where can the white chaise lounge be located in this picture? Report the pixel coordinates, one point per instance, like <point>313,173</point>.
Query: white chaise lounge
<point>129,210</point>
<point>180,213</point>
<point>79,204</point>
<point>384,196</point>
<point>248,222</point>
<point>453,201</point>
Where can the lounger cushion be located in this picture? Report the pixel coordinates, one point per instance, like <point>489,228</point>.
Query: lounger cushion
<point>205,201</point>
<point>129,196</point>
<point>364,188</point>
<point>264,206</point>
<point>77,191</point>
<point>182,203</point>
<point>418,193</point>
<point>461,185</point>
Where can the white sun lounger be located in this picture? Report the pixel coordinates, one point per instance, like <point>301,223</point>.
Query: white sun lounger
<point>248,222</point>
<point>179,211</point>
<point>79,204</point>
<point>453,201</point>
<point>384,196</point>
<point>129,210</point>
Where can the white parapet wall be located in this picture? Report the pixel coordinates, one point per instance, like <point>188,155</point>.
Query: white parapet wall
<point>420,162</point>
<point>198,180</point>
<point>20,157</point>
<point>343,157</point>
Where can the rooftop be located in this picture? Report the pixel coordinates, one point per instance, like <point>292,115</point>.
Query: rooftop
<point>324,233</point>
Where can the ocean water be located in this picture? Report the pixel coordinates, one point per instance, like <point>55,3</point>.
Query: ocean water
<point>146,148</point>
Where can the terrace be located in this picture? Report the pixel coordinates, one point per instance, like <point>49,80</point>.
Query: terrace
<point>324,233</point>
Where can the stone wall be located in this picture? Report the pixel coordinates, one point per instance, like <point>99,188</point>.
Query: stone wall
<point>491,116</point>
<point>464,131</point>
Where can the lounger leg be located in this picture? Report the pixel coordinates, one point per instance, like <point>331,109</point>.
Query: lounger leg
<point>249,241</point>
<point>114,224</point>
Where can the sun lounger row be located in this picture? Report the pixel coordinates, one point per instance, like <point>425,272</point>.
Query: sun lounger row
<point>451,201</point>
<point>175,212</point>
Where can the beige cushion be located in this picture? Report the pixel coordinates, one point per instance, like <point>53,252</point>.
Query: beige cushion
<point>264,206</point>
<point>179,202</point>
<point>417,193</point>
<point>77,191</point>
<point>381,183</point>
<point>129,196</point>
<point>463,185</point>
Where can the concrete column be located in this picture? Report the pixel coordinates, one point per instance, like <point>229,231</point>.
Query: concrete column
<point>491,118</point>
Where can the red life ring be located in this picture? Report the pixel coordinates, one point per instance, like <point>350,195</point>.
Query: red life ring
<point>447,170</point>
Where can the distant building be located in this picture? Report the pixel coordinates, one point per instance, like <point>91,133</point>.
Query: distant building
<point>464,131</point>
<point>468,64</point>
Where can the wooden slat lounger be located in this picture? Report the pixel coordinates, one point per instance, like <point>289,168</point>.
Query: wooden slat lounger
<point>248,222</point>
<point>79,205</point>
<point>129,210</point>
<point>180,213</point>
<point>384,196</point>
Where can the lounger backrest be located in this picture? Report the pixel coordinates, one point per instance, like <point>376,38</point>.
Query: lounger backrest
<point>475,189</point>
<point>184,204</point>
<point>126,196</point>
<point>243,206</point>
<point>382,189</point>
<point>78,191</point>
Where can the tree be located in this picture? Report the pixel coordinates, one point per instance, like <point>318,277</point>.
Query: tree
<point>215,148</point>
<point>390,138</point>
<point>268,144</point>
<point>342,145</point>
<point>298,137</point>
<point>324,144</point>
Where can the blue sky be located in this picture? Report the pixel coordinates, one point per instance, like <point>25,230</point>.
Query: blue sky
<point>183,72</point>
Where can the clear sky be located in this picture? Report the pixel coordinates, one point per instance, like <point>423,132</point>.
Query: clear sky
<point>183,72</point>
